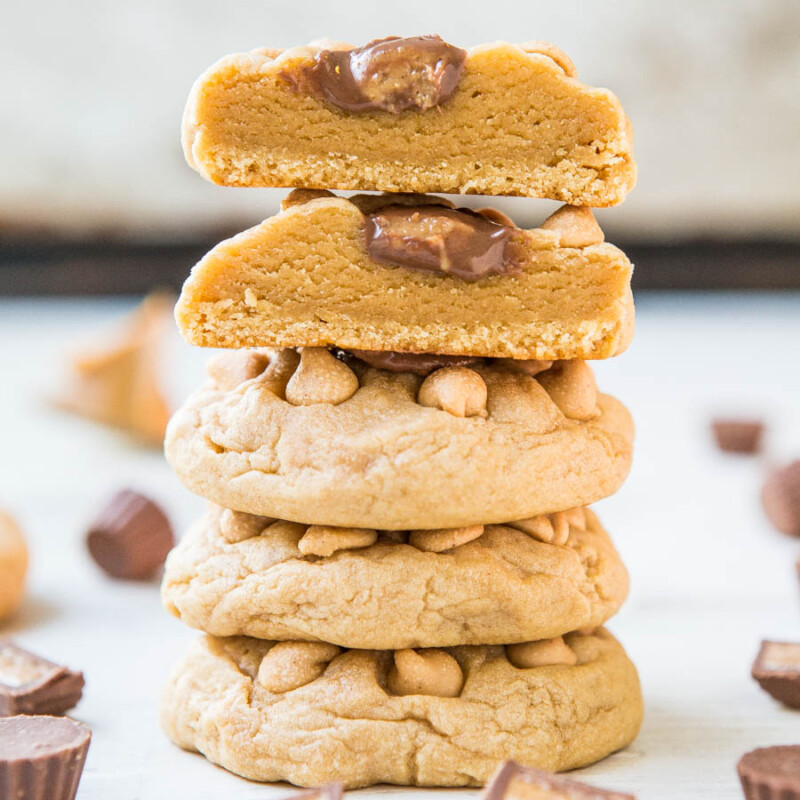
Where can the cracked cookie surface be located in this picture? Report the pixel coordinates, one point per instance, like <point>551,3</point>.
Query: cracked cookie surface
<point>501,587</point>
<point>347,724</point>
<point>380,459</point>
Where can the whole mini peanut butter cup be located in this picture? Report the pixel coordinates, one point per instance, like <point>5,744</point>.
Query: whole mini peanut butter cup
<point>771,773</point>
<point>41,758</point>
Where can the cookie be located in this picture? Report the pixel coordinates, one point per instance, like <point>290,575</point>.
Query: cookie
<point>13,565</point>
<point>413,274</point>
<point>311,439</point>
<point>262,119</point>
<point>308,713</point>
<point>236,574</point>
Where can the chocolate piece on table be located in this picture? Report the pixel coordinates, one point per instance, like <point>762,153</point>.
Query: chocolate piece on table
<point>30,684</point>
<point>131,537</point>
<point>418,363</point>
<point>777,670</point>
<point>392,74</point>
<point>511,781</point>
<point>771,773</point>
<point>780,497</point>
<point>41,758</point>
<point>328,791</point>
<point>432,238</point>
<point>738,435</point>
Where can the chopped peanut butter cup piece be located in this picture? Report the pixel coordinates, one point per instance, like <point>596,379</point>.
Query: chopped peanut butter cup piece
<point>738,435</point>
<point>777,670</point>
<point>512,781</point>
<point>30,684</point>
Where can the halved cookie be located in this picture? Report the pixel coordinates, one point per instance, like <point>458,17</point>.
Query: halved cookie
<point>307,713</point>
<point>412,274</point>
<point>312,439</point>
<point>236,574</point>
<point>411,115</point>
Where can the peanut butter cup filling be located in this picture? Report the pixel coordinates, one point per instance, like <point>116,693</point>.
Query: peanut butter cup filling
<point>393,74</point>
<point>436,239</point>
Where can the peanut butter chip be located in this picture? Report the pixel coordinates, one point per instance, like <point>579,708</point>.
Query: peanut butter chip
<point>544,653</point>
<point>572,388</point>
<point>553,52</point>
<point>236,526</point>
<point>289,665</point>
<point>431,672</point>
<point>228,370</point>
<point>320,378</point>
<point>560,527</point>
<point>437,541</point>
<point>299,197</point>
<point>528,366</point>
<point>459,391</point>
<point>323,540</point>
<point>537,527</point>
<point>575,226</point>
<point>576,518</point>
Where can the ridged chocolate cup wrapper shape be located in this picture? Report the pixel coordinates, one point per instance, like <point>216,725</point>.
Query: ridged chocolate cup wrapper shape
<point>131,537</point>
<point>771,773</point>
<point>41,758</point>
<point>742,436</point>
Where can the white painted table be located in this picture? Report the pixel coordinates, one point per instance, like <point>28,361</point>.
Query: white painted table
<point>710,578</point>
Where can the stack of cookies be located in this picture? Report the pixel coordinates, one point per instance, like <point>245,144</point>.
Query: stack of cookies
<point>399,579</point>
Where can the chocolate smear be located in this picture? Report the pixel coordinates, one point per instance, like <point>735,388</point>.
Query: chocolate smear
<point>418,363</point>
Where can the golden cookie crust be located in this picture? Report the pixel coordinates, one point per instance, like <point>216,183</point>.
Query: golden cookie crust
<point>382,460</point>
<point>304,278</point>
<point>347,726</point>
<point>550,135</point>
<point>502,587</point>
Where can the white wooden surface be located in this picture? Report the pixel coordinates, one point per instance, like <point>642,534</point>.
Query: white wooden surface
<point>710,578</point>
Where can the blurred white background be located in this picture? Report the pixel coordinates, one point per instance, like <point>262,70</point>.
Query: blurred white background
<point>94,90</point>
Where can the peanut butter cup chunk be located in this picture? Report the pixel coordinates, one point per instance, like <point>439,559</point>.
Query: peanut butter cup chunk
<point>410,275</point>
<point>410,115</point>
